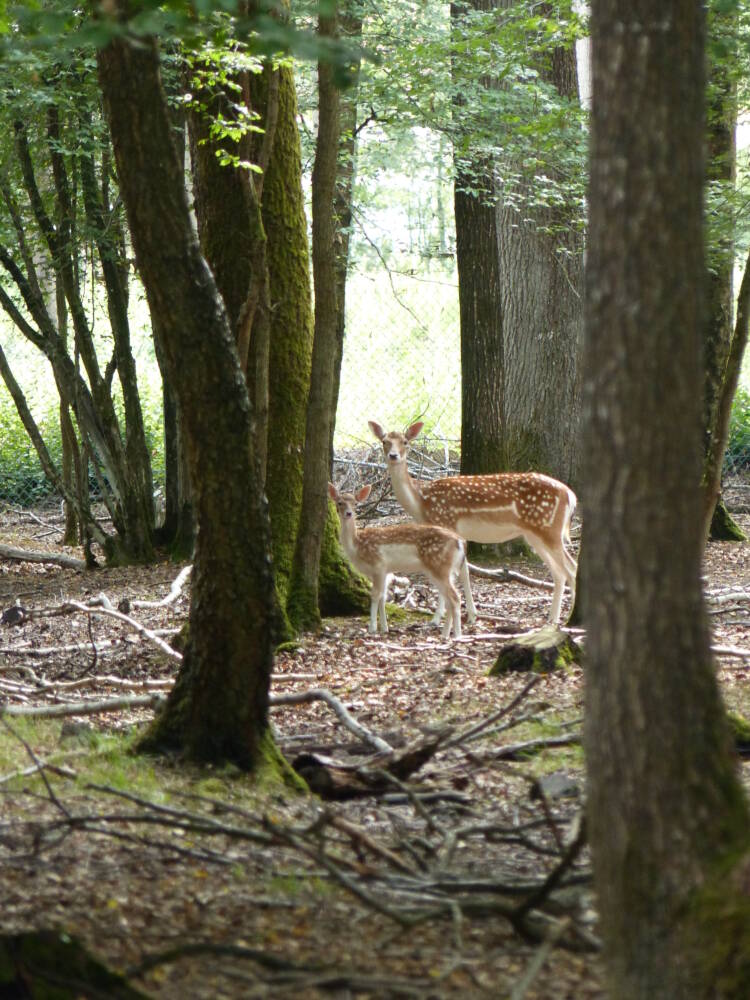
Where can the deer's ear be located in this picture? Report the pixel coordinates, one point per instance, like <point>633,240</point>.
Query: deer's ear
<point>332,491</point>
<point>411,432</point>
<point>362,493</point>
<point>376,429</point>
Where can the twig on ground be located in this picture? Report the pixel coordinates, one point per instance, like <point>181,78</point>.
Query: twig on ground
<point>322,694</point>
<point>510,575</point>
<point>476,730</point>
<point>40,766</point>
<point>174,591</point>
<point>70,607</point>
<point>85,707</point>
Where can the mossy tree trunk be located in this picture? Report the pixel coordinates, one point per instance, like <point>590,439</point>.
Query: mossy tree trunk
<point>331,190</point>
<point>667,814</point>
<point>218,708</point>
<point>722,362</point>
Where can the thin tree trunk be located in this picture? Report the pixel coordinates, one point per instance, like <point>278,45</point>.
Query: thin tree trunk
<point>302,603</point>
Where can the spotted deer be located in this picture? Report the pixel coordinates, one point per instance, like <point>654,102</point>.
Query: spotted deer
<point>380,550</point>
<point>491,508</point>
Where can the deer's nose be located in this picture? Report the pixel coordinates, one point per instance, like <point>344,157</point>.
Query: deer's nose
<point>393,455</point>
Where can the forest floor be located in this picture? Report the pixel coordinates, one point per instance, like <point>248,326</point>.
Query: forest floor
<point>199,883</point>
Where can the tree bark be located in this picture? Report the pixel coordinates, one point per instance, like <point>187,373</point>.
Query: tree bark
<point>219,706</point>
<point>667,815</point>
<point>483,370</point>
<point>329,258</point>
<point>723,346</point>
<point>291,329</point>
<point>541,281</point>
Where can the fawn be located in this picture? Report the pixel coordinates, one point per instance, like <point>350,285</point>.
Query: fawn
<point>381,550</point>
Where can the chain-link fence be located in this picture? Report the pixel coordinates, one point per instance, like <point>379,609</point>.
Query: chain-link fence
<point>401,363</point>
<point>401,354</point>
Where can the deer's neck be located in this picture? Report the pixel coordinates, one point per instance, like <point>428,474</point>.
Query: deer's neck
<point>407,491</point>
<point>349,537</point>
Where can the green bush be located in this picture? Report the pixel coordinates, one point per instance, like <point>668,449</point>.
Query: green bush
<point>22,480</point>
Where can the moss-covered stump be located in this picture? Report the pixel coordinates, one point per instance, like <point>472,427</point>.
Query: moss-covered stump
<point>723,526</point>
<point>538,652</point>
<point>341,589</point>
<point>44,964</point>
<point>739,727</point>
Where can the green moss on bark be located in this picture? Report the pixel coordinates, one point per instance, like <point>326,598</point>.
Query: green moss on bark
<point>723,527</point>
<point>302,606</point>
<point>717,935</point>
<point>540,653</point>
<point>341,590</point>
<point>291,326</point>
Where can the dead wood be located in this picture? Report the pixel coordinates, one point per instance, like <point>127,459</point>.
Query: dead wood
<point>321,694</point>
<point>58,558</point>
<point>336,781</point>
<point>508,575</point>
<point>48,963</point>
<point>85,707</point>
<point>542,651</point>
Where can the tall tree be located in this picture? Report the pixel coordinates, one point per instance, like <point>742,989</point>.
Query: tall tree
<point>219,705</point>
<point>668,820</point>
<point>541,266</point>
<point>332,168</point>
<point>724,343</point>
<point>53,163</point>
<point>483,372</point>
<point>519,256</point>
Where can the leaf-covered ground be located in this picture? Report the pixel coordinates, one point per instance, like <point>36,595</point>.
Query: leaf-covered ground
<point>200,883</point>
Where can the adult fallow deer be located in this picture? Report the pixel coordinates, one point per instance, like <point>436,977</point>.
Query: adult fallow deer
<point>490,508</point>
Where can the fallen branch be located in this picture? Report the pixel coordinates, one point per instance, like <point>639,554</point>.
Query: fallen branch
<point>321,694</point>
<point>58,558</point>
<point>513,750</point>
<point>174,591</point>
<point>476,730</point>
<point>743,654</point>
<point>84,707</point>
<point>70,607</point>
<point>510,576</point>
<point>41,652</point>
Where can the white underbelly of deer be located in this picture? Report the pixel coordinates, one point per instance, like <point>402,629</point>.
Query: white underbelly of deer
<point>478,529</point>
<point>396,558</point>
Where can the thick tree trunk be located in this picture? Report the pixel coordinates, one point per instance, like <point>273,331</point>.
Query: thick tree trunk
<point>219,706</point>
<point>667,816</point>
<point>480,306</point>
<point>541,268</point>
<point>482,332</point>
